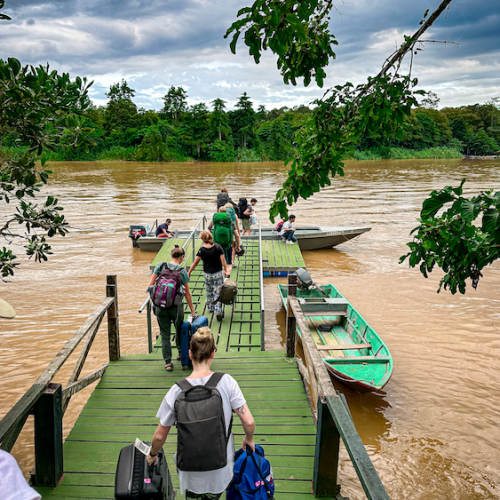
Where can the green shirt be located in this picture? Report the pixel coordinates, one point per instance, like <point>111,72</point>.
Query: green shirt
<point>173,267</point>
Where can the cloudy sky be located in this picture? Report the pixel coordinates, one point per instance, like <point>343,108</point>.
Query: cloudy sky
<point>154,44</point>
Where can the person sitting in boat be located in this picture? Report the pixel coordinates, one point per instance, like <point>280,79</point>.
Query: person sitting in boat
<point>162,230</point>
<point>287,231</point>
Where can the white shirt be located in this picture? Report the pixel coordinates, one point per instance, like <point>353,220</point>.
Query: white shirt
<point>13,486</point>
<point>286,225</point>
<point>232,398</point>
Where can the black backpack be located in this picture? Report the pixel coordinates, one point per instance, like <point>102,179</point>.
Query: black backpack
<point>222,199</point>
<point>242,206</point>
<point>201,426</point>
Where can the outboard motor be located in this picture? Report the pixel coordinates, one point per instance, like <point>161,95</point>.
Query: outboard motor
<point>305,281</point>
<point>136,231</point>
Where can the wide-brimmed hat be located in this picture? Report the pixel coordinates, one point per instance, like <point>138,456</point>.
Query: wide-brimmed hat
<point>6,310</point>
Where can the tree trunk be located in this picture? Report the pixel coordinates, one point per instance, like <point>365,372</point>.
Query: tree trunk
<point>244,141</point>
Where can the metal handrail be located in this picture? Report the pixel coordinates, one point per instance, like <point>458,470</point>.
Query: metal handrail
<point>261,281</point>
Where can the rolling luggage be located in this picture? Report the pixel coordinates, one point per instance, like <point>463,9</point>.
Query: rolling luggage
<point>136,480</point>
<point>188,328</point>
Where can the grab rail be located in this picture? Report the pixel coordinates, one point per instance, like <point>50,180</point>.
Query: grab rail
<point>261,283</point>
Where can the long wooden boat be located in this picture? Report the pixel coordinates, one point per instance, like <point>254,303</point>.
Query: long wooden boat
<point>352,351</point>
<point>308,238</point>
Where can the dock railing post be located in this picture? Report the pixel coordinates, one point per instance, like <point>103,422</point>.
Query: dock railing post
<point>113,323</point>
<point>326,454</point>
<point>150,330</point>
<point>48,437</point>
<point>291,323</point>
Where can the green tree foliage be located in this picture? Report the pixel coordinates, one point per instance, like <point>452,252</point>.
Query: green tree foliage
<point>121,114</point>
<point>175,103</point>
<point>243,120</point>
<point>34,103</point>
<point>218,120</point>
<point>461,240</point>
<point>295,30</point>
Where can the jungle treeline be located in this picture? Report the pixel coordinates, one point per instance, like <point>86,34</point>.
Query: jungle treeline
<point>211,132</point>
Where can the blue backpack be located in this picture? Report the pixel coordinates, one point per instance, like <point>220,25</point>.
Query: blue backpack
<point>253,476</point>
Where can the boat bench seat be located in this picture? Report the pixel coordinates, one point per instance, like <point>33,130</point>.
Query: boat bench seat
<point>343,347</point>
<point>357,359</point>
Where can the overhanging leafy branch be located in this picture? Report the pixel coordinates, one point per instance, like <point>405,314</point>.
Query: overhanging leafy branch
<point>463,240</point>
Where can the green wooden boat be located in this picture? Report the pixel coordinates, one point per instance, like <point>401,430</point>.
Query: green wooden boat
<point>352,351</point>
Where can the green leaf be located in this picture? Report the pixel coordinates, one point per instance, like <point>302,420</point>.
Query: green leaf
<point>469,210</point>
<point>432,205</point>
<point>491,220</point>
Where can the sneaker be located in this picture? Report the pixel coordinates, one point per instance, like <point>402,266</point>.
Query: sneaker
<point>289,242</point>
<point>219,317</point>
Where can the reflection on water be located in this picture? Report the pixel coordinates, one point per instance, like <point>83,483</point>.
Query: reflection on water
<point>433,435</point>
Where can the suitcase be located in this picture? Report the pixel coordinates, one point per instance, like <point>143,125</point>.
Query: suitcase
<point>187,330</point>
<point>136,480</point>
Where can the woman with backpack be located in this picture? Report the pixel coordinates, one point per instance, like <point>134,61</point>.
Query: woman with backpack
<point>174,313</point>
<point>214,262</point>
<point>210,450</point>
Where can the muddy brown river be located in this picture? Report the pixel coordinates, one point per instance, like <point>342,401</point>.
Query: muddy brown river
<point>434,434</point>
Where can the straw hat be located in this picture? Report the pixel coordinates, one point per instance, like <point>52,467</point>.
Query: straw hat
<point>6,310</point>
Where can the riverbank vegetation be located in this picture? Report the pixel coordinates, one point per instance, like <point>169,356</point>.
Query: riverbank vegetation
<point>212,132</point>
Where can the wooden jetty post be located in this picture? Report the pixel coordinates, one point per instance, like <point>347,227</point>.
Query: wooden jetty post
<point>113,324</point>
<point>290,318</point>
<point>49,436</point>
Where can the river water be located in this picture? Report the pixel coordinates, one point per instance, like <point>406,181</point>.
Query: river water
<point>434,434</point>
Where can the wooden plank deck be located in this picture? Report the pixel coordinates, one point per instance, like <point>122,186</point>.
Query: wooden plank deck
<point>124,404</point>
<point>278,257</point>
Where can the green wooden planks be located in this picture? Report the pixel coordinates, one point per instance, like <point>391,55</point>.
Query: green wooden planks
<point>124,405</point>
<point>278,256</point>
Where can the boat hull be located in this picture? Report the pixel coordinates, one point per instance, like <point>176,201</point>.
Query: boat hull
<point>373,369</point>
<point>308,238</point>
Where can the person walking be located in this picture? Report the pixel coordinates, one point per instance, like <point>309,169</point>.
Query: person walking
<point>236,231</point>
<point>209,484</point>
<point>175,313</point>
<point>214,262</point>
<point>246,215</point>
<point>287,231</point>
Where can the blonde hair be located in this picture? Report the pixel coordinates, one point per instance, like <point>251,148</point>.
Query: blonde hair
<point>206,236</point>
<point>223,209</point>
<point>228,205</point>
<point>202,344</point>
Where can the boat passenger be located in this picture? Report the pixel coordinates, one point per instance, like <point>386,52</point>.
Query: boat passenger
<point>287,231</point>
<point>162,230</point>
<point>207,484</point>
<point>174,314</point>
<point>214,262</point>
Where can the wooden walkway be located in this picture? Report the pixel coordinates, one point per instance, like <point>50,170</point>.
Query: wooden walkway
<point>124,404</point>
